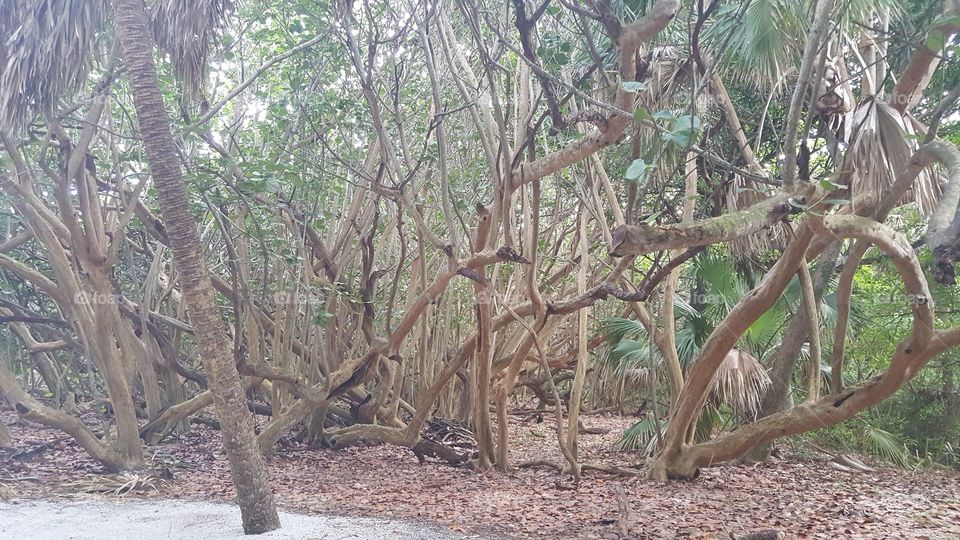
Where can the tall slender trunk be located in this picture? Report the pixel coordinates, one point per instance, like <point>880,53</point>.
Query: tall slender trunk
<point>246,463</point>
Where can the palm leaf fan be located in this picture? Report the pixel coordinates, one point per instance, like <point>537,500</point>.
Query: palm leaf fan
<point>643,435</point>
<point>762,47</point>
<point>185,30</point>
<point>886,445</point>
<point>710,420</point>
<point>882,143</point>
<point>663,70</point>
<point>45,53</point>
<point>740,382</point>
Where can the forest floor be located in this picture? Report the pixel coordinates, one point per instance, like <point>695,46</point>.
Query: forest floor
<point>801,496</point>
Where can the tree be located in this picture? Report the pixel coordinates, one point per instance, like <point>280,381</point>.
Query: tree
<point>247,465</point>
<point>334,169</point>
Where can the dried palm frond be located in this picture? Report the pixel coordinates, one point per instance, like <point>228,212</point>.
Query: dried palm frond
<point>7,493</point>
<point>45,53</point>
<point>186,30</point>
<point>740,382</point>
<point>118,484</point>
<point>664,70</point>
<point>639,376</point>
<point>881,146</point>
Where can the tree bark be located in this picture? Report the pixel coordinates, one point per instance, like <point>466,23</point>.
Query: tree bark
<point>5,440</point>
<point>778,396</point>
<point>679,460</point>
<point>29,408</point>
<point>246,463</point>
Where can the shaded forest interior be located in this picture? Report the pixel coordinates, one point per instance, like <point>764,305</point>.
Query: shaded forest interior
<point>674,239</point>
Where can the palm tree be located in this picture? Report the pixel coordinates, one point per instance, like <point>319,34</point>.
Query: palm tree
<point>246,463</point>
<point>47,55</point>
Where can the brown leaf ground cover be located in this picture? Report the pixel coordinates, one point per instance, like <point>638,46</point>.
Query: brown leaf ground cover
<point>801,497</point>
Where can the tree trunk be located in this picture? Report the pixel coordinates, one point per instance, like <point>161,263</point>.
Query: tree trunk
<point>5,440</point>
<point>778,397</point>
<point>246,463</point>
<point>30,409</point>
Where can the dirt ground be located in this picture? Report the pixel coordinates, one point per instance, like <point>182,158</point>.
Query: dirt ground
<point>801,497</point>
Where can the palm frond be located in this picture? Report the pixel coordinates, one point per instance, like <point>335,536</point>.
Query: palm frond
<point>762,49</point>
<point>764,332</point>
<point>643,435</point>
<point>45,54</point>
<point>688,346</point>
<point>855,14</point>
<point>741,382</point>
<point>886,445</point>
<point>710,419</point>
<point>726,288</point>
<point>118,484</point>
<point>617,328</point>
<point>683,308</point>
<point>881,146</point>
<point>186,30</point>
<point>629,355</point>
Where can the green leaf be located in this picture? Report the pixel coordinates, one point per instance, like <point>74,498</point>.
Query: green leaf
<point>664,115</point>
<point>272,185</point>
<point>683,130</point>
<point>321,318</point>
<point>652,218</point>
<point>643,435</point>
<point>936,39</point>
<point>830,185</point>
<point>886,445</point>
<point>637,171</point>
<point>250,186</point>
<point>634,86</point>
<point>640,114</point>
<point>686,123</point>
<point>946,20</point>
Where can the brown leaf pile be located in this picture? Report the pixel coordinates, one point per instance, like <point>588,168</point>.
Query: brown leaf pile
<point>799,497</point>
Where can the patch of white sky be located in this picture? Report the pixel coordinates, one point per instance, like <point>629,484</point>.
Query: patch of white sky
<point>226,73</point>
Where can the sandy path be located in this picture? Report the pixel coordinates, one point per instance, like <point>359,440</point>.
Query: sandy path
<point>170,519</point>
